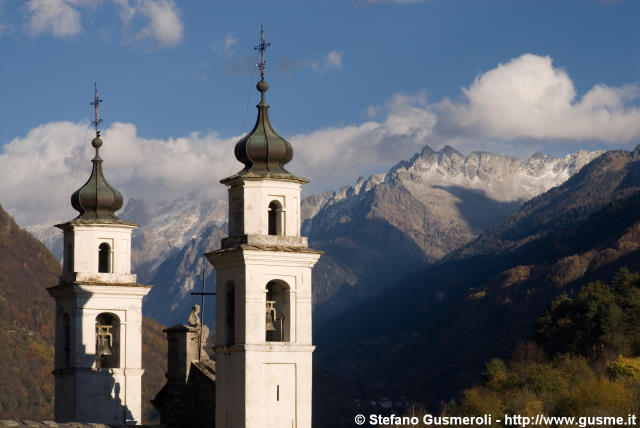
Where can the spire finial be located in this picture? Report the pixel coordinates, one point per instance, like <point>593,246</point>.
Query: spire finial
<point>262,47</point>
<point>97,199</point>
<point>95,103</point>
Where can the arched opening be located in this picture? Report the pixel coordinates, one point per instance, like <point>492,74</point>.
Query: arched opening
<point>69,257</point>
<point>275,218</point>
<point>104,258</point>
<point>66,357</point>
<point>107,341</point>
<point>278,312</point>
<point>235,216</point>
<point>230,313</point>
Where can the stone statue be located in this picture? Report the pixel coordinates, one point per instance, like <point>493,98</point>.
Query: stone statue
<point>194,317</point>
<point>203,330</point>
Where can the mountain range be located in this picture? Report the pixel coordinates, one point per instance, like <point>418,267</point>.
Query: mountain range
<point>415,214</point>
<point>430,269</point>
<point>372,233</point>
<point>437,327</point>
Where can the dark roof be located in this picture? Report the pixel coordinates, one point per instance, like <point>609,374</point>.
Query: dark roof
<point>97,200</point>
<point>262,151</point>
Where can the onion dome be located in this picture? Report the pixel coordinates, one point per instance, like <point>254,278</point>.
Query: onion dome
<point>263,152</point>
<point>97,200</point>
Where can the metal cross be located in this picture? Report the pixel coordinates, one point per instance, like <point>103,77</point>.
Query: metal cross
<point>95,103</point>
<point>202,294</point>
<point>262,47</point>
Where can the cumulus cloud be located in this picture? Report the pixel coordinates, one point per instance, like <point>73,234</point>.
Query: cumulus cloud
<point>59,17</point>
<point>529,98</point>
<point>525,98</point>
<point>57,157</point>
<point>164,23</point>
<point>159,19</point>
<point>335,156</point>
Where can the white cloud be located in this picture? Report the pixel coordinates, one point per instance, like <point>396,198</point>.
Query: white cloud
<point>226,47</point>
<point>57,157</point>
<point>62,18</point>
<point>373,112</point>
<point>335,156</point>
<point>332,61</point>
<point>164,24</point>
<point>229,41</point>
<point>528,98</point>
<point>127,11</point>
<point>59,17</point>
<point>524,99</point>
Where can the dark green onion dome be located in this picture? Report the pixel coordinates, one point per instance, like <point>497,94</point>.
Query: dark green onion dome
<point>97,200</point>
<point>263,152</point>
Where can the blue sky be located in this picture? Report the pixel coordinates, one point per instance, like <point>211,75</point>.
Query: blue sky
<point>355,85</point>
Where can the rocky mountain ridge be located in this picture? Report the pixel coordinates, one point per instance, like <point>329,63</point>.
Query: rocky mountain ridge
<point>501,178</point>
<point>441,324</point>
<point>415,214</point>
<point>382,227</point>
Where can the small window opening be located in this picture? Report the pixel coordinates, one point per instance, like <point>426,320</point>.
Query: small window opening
<point>275,218</point>
<point>235,216</point>
<point>66,358</point>
<point>69,257</point>
<point>104,256</point>
<point>107,341</point>
<point>230,313</point>
<point>277,392</point>
<point>277,323</point>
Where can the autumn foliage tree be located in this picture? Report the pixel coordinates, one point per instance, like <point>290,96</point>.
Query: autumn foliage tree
<point>584,361</point>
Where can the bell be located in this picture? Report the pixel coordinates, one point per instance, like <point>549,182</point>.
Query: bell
<point>270,326</point>
<point>271,316</point>
<point>103,346</point>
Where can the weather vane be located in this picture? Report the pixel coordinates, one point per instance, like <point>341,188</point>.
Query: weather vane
<point>95,103</point>
<point>262,47</point>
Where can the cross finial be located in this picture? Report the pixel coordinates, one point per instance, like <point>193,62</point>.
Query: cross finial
<point>95,103</point>
<point>262,47</point>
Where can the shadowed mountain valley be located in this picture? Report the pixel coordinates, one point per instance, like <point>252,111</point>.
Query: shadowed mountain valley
<point>429,335</point>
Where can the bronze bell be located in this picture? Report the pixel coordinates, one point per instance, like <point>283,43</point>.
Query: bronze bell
<point>103,346</point>
<point>104,337</point>
<point>271,316</point>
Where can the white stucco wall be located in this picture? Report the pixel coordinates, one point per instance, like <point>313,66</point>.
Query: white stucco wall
<point>250,372</point>
<point>85,393</point>
<point>85,240</point>
<point>249,206</point>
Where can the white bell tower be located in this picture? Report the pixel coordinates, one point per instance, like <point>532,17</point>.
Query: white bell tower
<point>98,345</point>
<point>263,285</point>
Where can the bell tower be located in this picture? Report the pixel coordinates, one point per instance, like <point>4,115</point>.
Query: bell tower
<point>98,337</point>
<point>263,285</point>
